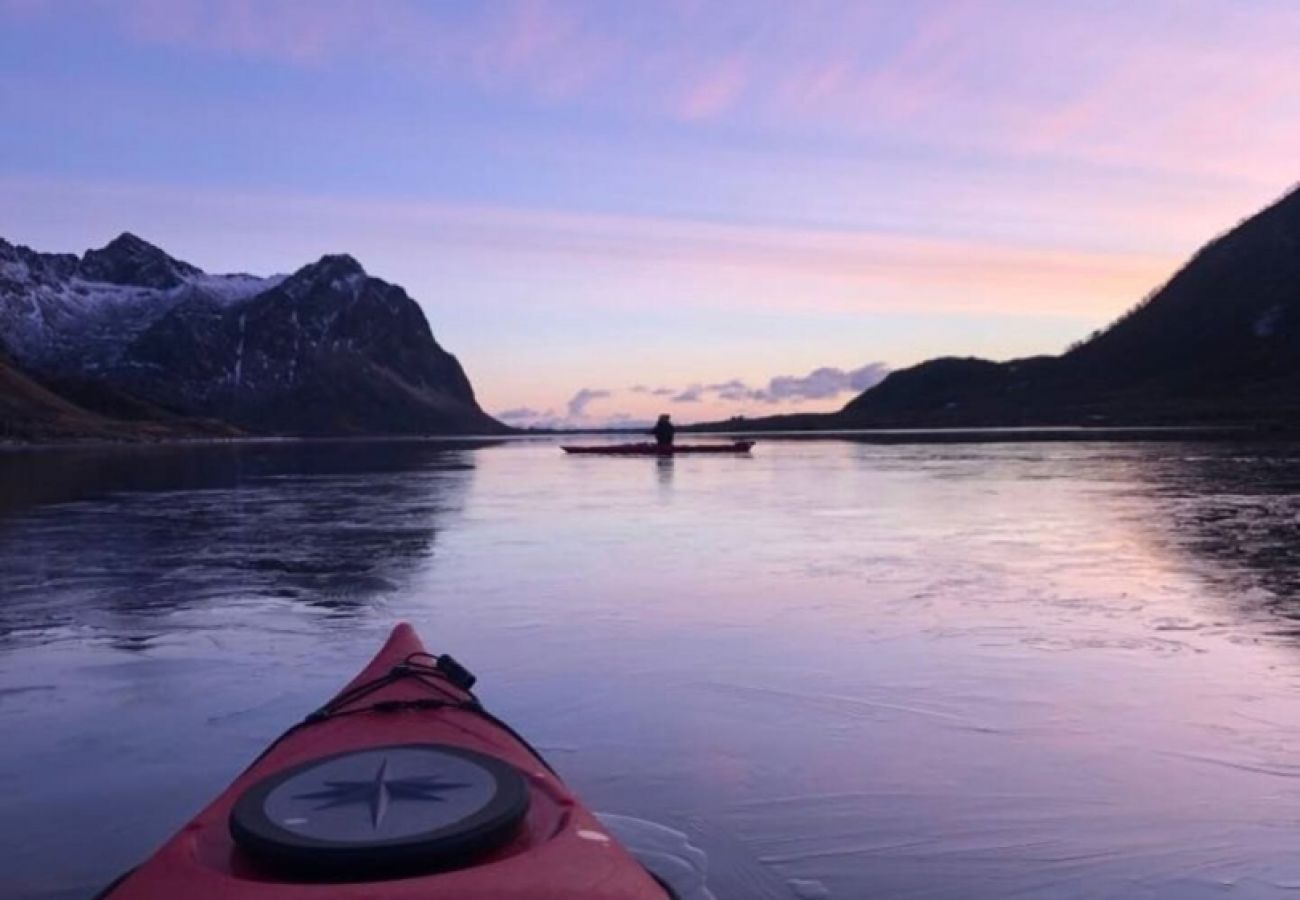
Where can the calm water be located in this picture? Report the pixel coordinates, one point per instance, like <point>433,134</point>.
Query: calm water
<point>845,670</point>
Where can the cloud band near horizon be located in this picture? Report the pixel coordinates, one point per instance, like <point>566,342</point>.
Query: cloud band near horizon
<point>822,384</point>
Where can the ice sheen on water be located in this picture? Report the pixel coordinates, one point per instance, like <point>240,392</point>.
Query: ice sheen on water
<point>836,669</point>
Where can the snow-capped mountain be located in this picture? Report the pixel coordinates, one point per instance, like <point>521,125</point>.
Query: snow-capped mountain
<point>326,350</point>
<point>62,313</point>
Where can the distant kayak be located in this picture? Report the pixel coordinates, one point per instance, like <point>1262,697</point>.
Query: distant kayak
<point>656,450</point>
<point>402,786</point>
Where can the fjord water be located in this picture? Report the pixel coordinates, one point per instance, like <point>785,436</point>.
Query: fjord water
<point>842,669</point>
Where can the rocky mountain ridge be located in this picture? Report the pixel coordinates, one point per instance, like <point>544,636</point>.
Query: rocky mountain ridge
<point>326,350</point>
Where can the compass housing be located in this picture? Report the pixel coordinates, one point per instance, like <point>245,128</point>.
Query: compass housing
<point>380,812</point>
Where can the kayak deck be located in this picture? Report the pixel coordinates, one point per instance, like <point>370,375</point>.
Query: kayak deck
<point>648,449</point>
<point>400,703</point>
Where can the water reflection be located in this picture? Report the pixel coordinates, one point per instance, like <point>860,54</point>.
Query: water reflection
<point>110,539</point>
<point>1235,511</point>
<point>664,471</point>
<point>1227,512</point>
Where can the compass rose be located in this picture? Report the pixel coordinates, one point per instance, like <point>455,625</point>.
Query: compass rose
<point>380,791</point>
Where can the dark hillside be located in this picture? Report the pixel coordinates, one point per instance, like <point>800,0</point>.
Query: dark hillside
<point>1220,342</point>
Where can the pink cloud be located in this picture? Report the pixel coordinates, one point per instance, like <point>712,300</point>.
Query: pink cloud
<point>1215,95</point>
<point>818,83</point>
<point>531,31</point>
<point>523,44</point>
<point>541,47</point>
<point>928,64</point>
<point>716,92</point>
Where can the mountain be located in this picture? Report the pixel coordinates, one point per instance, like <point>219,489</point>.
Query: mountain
<point>1219,342</point>
<point>1228,322</point>
<point>130,331</point>
<point>29,410</point>
<point>60,312</point>
<point>33,411</point>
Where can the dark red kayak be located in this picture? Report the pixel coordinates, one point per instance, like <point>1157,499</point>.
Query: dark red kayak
<point>401,787</point>
<point>648,449</point>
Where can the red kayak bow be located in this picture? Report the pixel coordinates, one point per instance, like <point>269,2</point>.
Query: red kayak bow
<point>658,450</point>
<point>403,786</point>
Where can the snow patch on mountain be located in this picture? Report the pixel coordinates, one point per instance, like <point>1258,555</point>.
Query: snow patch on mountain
<point>71,314</point>
<point>233,288</point>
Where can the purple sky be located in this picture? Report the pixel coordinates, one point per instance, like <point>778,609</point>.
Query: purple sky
<point>739,207</point>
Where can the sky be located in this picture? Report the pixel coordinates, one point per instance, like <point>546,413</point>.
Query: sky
<point>703,207</point>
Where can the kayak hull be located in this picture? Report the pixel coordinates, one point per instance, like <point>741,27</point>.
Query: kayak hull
<point>559,851</point>
<point>656,450</point>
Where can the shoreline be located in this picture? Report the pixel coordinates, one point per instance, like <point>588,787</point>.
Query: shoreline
<point>985,435</point>
<point>1030,434</point>
<point>10,446</point>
